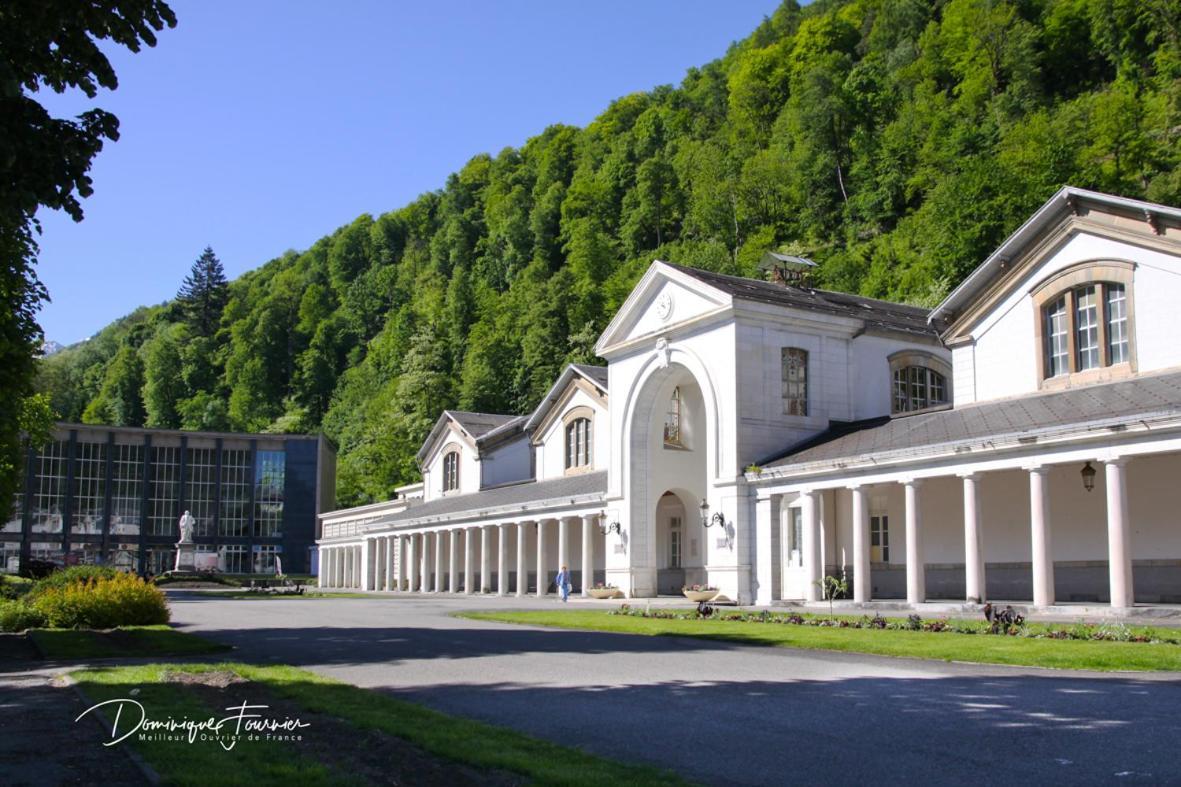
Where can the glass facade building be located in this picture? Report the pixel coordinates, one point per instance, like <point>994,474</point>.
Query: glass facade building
<point>115,495</point>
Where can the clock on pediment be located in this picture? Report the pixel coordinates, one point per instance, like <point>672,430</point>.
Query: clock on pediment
<point>664,306</point>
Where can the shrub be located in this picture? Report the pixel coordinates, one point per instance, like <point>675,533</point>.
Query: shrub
<point>120,600</point>
<point>19,615</point>
<point>13,586</point>
<point>71,575</point>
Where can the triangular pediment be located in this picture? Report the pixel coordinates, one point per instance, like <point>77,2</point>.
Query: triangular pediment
<point>662,300</point>
<point>1072,227</point>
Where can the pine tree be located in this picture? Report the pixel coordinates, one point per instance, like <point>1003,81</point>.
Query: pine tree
<point>204,293</point>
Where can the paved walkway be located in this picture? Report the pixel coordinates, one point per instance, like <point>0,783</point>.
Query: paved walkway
<point>39,742</point>
<point>723,713</point>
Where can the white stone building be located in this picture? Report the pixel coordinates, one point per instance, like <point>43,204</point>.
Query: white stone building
<point>1018,442</point>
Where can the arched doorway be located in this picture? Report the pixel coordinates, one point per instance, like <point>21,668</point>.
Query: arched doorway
<point>666,479</point>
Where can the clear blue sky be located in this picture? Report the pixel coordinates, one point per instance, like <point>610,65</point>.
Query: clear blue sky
<point>257,127</point>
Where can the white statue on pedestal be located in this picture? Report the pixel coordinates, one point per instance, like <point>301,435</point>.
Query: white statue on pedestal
<point>186,528</point>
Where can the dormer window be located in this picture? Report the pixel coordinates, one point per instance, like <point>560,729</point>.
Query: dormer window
<point>578,443</point>
<point>451,471</point>
<point>919,381</point>
<point>672,421</point>
<point>1085,329</point>
<point>1084,316</point>
<point>917,388</point>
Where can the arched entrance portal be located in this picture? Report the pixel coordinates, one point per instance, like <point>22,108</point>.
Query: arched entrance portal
<point>667,480</point>
<point>680,547</point>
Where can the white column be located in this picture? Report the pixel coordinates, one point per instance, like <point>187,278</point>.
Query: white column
<point>862,580</point>
<point>438,539</point>
<point>502,560</point>
<point>379,563</point>
<point>412,562</point>
<point>589,525</point>
<point>522,559</point>
<point>367,564</point>
<point>426,563</point>
<point>469,567</point>
<point>390,566</point>
<point>348,566</point>
<point>452,561</point>
<point>541,572</point>
<point>814,572</point>
<point>916,569</point>
<point>564,543</point>
<point>399,572</point>
<point>1119,535</point>
<point>340,567</point>
<point>485,562</point>
<point>766,515</point>
<point>974,581</point>
<point>1043,551</point>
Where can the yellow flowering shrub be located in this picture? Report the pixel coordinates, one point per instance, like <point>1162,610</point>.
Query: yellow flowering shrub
<point>121,600</point>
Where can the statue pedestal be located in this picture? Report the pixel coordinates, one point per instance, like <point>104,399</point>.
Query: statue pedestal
<point>186,557</point>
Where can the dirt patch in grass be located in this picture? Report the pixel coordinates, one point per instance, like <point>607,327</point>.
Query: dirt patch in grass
<point>365,756</point>
<point>218,679</point>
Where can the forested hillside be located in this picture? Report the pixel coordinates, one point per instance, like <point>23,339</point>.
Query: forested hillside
<point>896,142</point>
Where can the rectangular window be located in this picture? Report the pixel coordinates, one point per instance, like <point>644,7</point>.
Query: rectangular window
<point>10,557</point>
<point>1057,345</point>
<point>879,538</point>
<point>674,549</point>
<point>795,537</point>
<point>235,492</point>
<point>164,492</point>
<point>90,475</point>
<point>265,558</point>
<point>1117,324</point>
<point>49,498</point>
<point>231,559</point>
<point>124,557</point>
<point>16,518</point>
<point>127,489</point>
<point>201,466</point>
<point>270,476</point>
<point>1086,330</point>
<point>160,559</point>
<point>794,363</point>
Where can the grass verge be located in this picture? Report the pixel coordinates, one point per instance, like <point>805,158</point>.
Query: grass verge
<point>162,640</point>
<point>357,720</point>
<point>943,646</point>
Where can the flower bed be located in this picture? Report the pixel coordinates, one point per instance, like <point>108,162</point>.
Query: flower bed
<point>1106,632</point>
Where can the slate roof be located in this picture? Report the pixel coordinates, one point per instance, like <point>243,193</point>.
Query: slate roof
<point>476,424</point>
<point>522,494</point>
<point>874,313</point>
<point>1096,406</point>
<point>596,373</point>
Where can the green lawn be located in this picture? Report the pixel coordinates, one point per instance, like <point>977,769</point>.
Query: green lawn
<point>162,640</point>
<point>944,646</point>
<point>352,724</point>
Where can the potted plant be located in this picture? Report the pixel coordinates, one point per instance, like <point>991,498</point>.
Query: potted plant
<point>699,593</point>
<point>601,590</point>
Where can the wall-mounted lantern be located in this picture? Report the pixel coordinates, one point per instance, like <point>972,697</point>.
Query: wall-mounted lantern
<point>1088,474</point>
<point>708,521</point>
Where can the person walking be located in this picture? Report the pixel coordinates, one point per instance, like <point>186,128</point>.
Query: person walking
<point>563,583</point>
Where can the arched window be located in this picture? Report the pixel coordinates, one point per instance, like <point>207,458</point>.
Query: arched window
<point>578,443</point>
<point>451,471</point>
<point>1094,318</point>
<point>672,420</point>
<point>1084,323</point>
<point>919,380</point>
<point>794,367</point>
<point>917,388</point>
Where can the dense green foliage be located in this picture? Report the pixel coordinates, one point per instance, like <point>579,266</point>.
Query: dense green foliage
<point>44,163</point>
<point>894,141</point>
<point>101,603</point>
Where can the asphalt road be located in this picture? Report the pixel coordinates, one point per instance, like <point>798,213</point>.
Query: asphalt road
<point>724,714</point>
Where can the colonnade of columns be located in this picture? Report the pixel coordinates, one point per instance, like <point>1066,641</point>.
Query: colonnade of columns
<point>403,561</point>
<point>1041,547</point>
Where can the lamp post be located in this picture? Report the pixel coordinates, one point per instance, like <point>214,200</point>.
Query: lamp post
<point>708,521</point>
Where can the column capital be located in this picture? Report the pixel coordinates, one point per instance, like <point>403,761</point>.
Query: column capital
<point>1037,467</point>
<point>1118,461</point>
<point>913,483</point>
<point>970,475</point>
<point>858,486</point>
